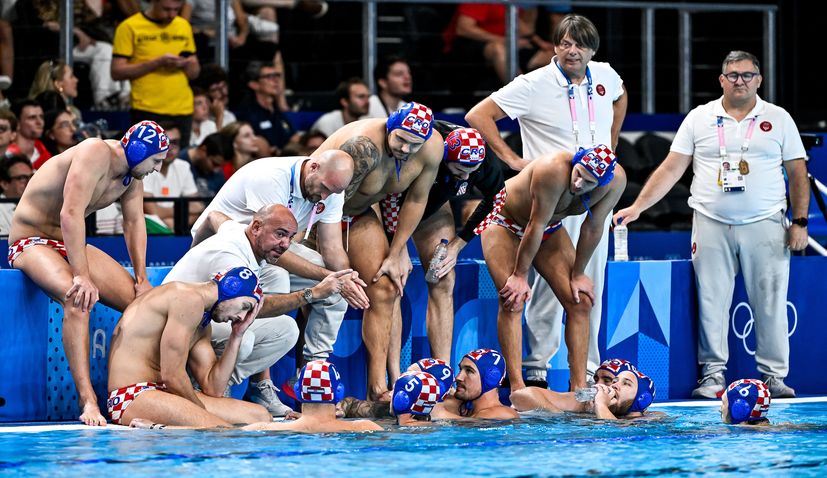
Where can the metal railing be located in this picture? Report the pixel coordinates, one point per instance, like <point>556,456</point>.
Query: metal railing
<point>648,43</point>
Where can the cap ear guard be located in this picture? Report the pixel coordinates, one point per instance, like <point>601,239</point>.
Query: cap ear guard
<point>739,410</point>
<point>402,402</point>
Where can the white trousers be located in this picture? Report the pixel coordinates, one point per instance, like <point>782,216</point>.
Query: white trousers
<point>544,313</point>
<point>266,341</point>
<point>759,250</point>
<point>325,316</point>
<point>99,58</point>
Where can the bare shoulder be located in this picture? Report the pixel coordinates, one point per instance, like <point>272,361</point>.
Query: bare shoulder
<point>556,164</point>
<point>365,426</point>
<point>500,412</point>
<point>433,150</point>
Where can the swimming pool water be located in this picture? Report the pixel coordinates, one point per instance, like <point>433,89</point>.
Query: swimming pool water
<point>686,441</point>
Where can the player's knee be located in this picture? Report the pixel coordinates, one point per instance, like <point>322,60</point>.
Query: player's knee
<point>382,291</point>
<point>445,285</point>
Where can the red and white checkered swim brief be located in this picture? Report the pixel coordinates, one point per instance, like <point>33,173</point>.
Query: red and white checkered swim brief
<point>20,245</point>
<point>495,217</point>
<point>390,207</point>
<point>120,399</point>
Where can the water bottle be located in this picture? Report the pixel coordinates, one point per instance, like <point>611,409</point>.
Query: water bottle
<point>621,236</point>
<point>585,394</point>
<point>440,253</point>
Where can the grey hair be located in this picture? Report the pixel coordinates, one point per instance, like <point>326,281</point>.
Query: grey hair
<point>739,55</point>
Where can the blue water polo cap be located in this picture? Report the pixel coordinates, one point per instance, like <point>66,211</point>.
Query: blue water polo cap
<point>491,366</point>
<point>232,283</point>
<point>645,392</point>
<point>600,161</point>
<point>615,366</point>
<point>416,393</point>
<point>319,382</point>
<point>440,369</point>
<point>749,400</point>
<point>414,118</point>
<point>143,140</point>
<point>464,146</point>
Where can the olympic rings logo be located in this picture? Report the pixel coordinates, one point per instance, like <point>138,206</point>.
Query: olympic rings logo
<point>750,323</point>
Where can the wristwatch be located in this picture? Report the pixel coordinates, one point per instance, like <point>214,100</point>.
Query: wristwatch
<point>800,221</point>
<point>307,295</point>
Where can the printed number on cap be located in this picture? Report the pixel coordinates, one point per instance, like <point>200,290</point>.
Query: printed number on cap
<point>150,135</point>
<point>245,274</point>
<point>497,359</point>
<point>409,387</point>
<point>446,373</point>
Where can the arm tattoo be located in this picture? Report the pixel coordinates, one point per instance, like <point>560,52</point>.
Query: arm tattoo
<point>365,158</point>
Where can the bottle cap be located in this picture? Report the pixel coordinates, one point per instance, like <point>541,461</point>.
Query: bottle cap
<point>444,241</point>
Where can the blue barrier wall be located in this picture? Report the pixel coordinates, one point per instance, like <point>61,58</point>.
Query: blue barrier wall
<point>649,318</point>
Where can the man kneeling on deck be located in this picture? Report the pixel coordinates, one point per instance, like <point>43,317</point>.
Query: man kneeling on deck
<point>167,330</point>
<point>620,391</point>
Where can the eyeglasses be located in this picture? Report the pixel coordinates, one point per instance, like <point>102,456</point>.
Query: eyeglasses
<point>174,142</point>
<point>747,76</point>
<point>21,177</point>
<point>4,128</point>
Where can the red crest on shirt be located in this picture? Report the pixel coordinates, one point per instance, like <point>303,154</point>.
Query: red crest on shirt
<point>601,90</point>
<point>319,207</point>
<point>765,126</point>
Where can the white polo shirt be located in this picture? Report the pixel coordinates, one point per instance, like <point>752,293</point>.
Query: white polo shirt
<point>177,183</point>
<point>269,181</point>
<point>376,109</point>
<point>329,123</point>
<point>228,248</point>
<point>540,101</point>
<point>774,139</point>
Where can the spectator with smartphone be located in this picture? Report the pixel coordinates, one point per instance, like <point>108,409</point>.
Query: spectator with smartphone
<point>155,50</point>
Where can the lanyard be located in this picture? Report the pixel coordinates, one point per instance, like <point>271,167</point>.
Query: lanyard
<point>744,145</point>
<point>290,201</point>
<point>575,127</point>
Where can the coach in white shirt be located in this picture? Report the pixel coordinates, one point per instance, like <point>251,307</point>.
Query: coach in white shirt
<point>552,105</point>
<point>312,188</point>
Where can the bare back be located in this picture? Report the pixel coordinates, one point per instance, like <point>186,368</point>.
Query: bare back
<point>135,352</point>
<point>38,213</point>
<point>556,170</point>
<point>374,174</point>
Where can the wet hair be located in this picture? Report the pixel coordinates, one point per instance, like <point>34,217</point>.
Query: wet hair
<point>738,55</point>
<point>6,162</point>
<point>579,28</point>
<point>343,90</point>
<point>383,67</point>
